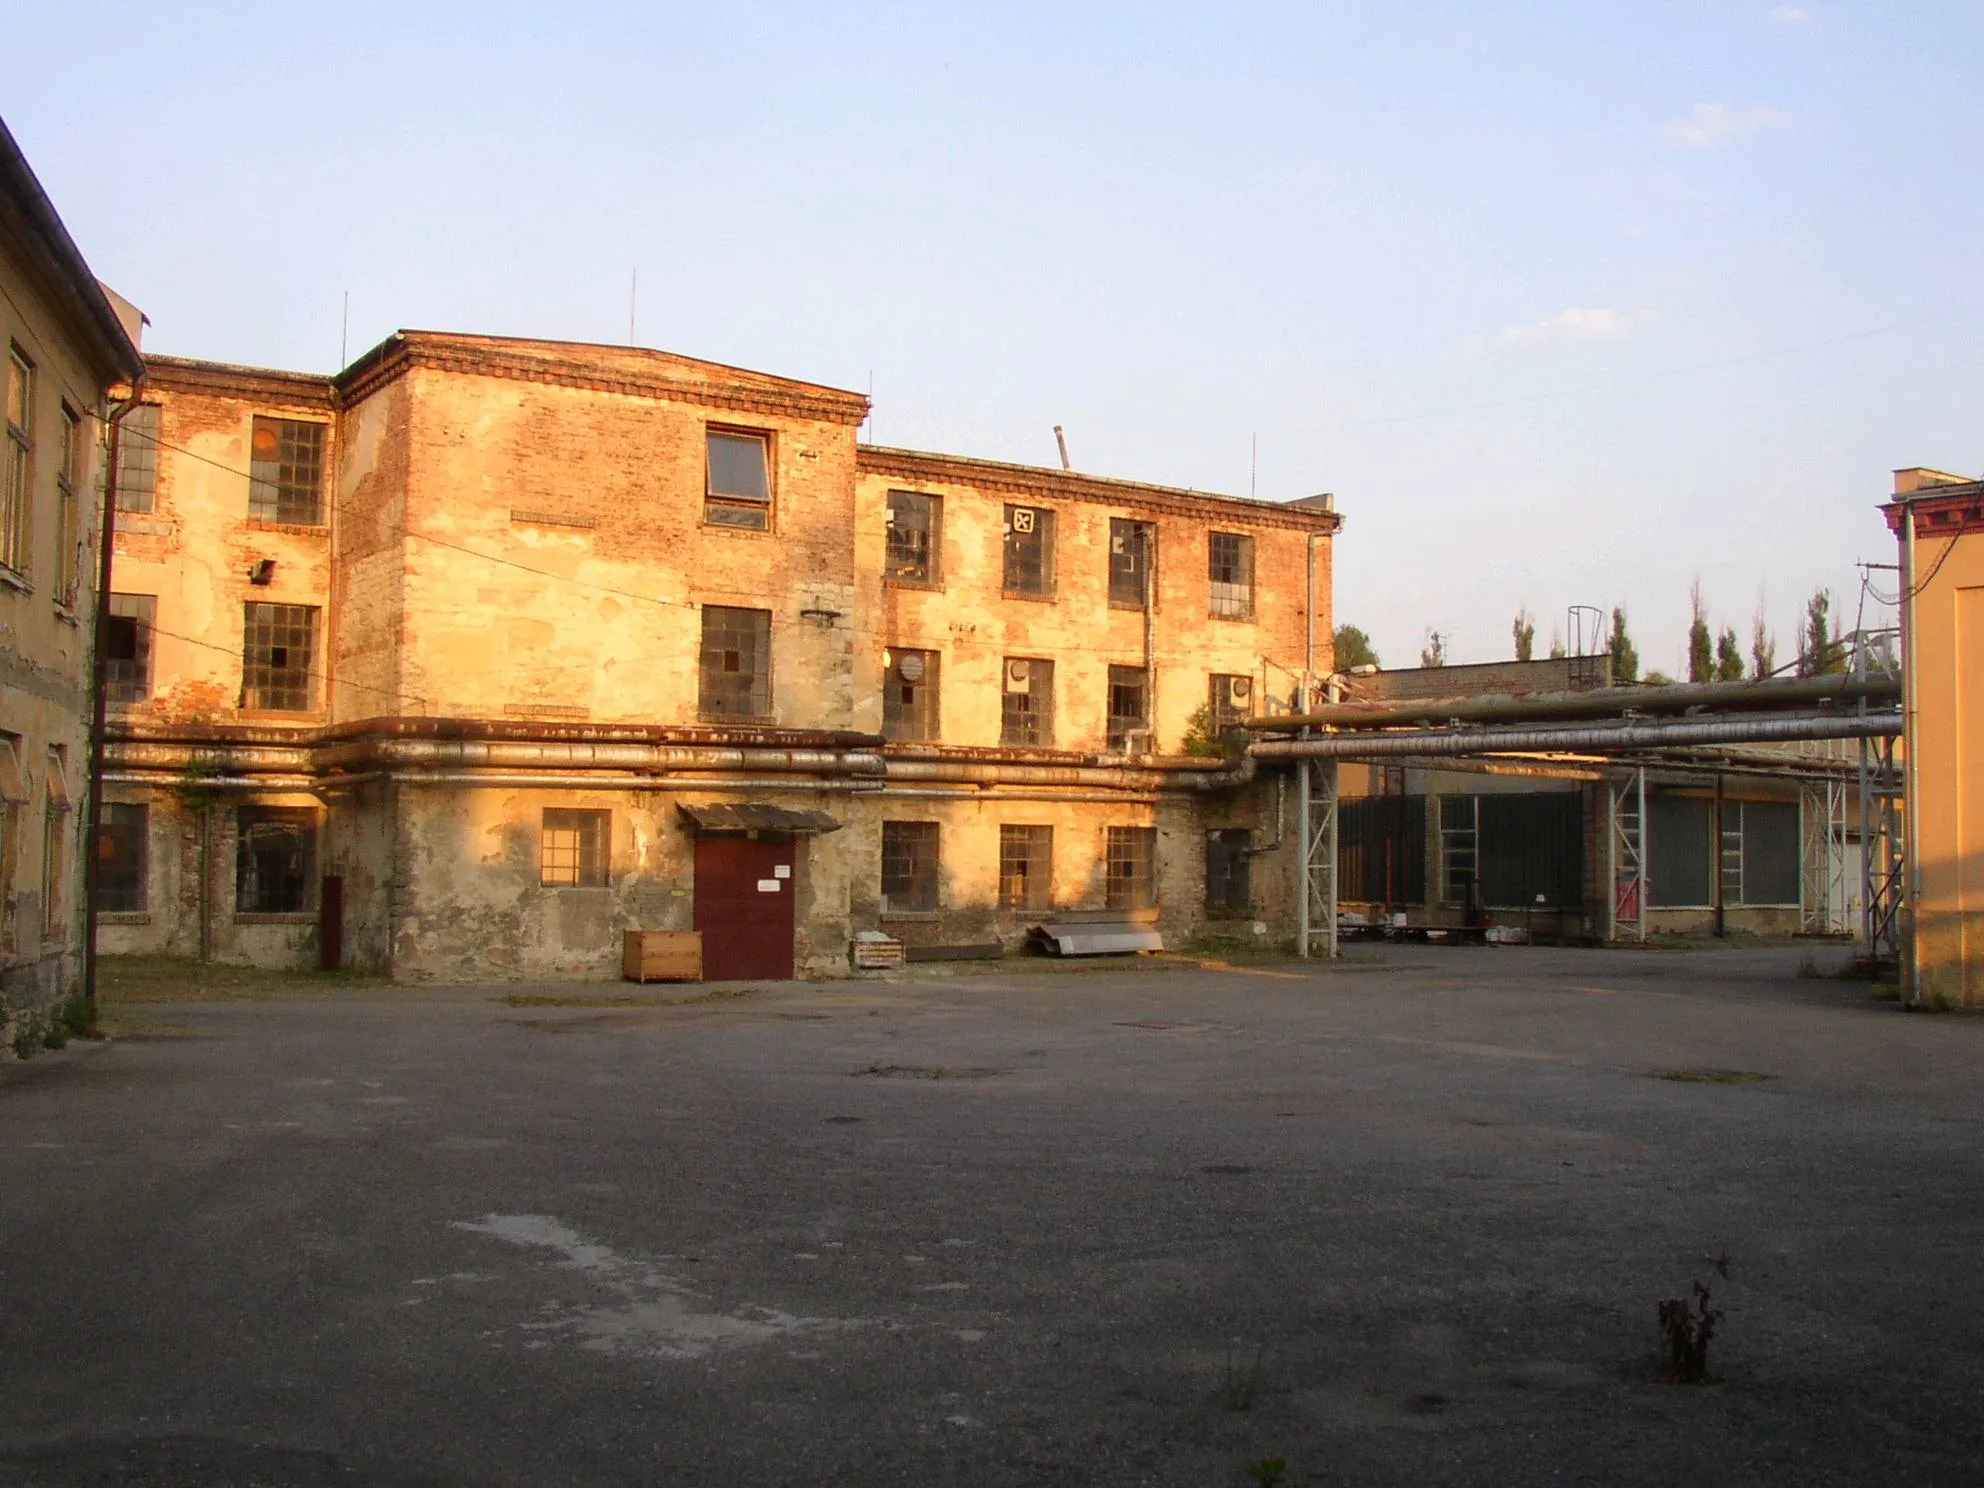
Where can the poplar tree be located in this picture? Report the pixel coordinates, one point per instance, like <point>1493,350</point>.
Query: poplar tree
<point>1763,648</point>
<point>1701,656</point>
<point>1625,659</point>
<point>1728,656</point>
<point>1434,652</point>
<point>1353,648</point>
<point>1525,634</point>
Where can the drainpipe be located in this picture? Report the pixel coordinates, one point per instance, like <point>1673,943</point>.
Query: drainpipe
<point>206,881</point>
<point>1910,722</point>
<point>99,702</point>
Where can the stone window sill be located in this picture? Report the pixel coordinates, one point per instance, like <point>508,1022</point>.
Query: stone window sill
<point>13,579</point>
<point>301,917</point>
<point>123,917</point>
<point>1037,598</point>
<point>914,916</point>
<point>301,529</point>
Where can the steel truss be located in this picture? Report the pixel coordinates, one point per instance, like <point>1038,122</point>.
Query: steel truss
<point>1625,816</point>
<point>1316,798</point>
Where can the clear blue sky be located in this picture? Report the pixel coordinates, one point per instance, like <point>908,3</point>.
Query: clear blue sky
<point>1466,266</point>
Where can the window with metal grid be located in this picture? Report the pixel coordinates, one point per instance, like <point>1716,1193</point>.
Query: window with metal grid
<point>286,472</point>
<point>1029,551</point>
<point>1229,872</point>
<point>909,695</point>
<point>572,848</point>
<point>54,872</point>
<point>909,867</point>
<point>1026,867</point>
<point>738,488</point>
<point>914,537</point>
<point>127,648</point>
<point>1132,549</point>
<point>1130,880</point>
<point>278,655</point>
<point>1460,838</point>
<point>17,482</point>
<point>1027,709</point>
<point>275,860</point>
<point>1129,695</point>
<point>1230,575</point>
<point>123,853</point>
<point>68,509</point>
<point>137,459</point>
<point>736,663</point>
<point>1760,853</point>
<point>1231,698</point>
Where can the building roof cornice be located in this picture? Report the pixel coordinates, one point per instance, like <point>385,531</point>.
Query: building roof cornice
<point>1046,485</point>
<point>625,371</point>
<point>188,374</point>
<point>1941,510</point>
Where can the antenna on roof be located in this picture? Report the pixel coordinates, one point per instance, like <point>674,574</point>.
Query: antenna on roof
<point>1062,440</point>
<point>633,298</point>
<point>1254,468</point>
<point>344,329</point>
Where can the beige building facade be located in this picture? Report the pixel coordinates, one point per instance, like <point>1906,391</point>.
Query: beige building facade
<point>1938,520</point>
<point>64,349</point>
<point>462,662</point>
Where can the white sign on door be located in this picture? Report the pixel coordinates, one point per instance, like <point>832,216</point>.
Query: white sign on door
<point>767,886</point>
<point>781,870</point>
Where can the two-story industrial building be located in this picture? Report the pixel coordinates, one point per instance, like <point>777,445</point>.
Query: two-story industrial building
<point>462,661</point>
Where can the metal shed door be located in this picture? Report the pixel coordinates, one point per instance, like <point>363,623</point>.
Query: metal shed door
<point>744,907</point>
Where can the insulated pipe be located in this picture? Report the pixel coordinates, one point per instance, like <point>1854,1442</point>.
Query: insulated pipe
<point>965,772</point>
<point>1544,740</point>
<point>502,780</point>
<point>582,755</point>
<point>1599,702</point>
<point>162,781</point>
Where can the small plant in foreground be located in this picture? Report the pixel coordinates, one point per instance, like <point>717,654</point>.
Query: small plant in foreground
<point>1808,969</point>
<point>1242,1378</point>
<point>54,1033</point>
<point>1268,1471</point>
<point>78,1016</point>
<point>1686,1331</point>
<point>27,1035</point>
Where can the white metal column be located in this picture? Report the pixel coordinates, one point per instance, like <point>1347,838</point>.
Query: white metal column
<point>1625,817</point>
<point>1318,810</point>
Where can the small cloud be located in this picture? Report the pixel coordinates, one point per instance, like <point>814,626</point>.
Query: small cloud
<point>1712,124</point>
<point>1790,15</point>
<point>1595,324</point>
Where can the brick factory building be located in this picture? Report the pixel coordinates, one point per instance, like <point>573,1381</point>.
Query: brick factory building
<point>463,661</point>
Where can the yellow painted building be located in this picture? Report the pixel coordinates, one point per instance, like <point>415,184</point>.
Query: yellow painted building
<point>469,658</point>
<point>1939,521</point>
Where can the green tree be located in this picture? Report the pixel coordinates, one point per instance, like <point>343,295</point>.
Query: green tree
<point>1625,659</point>
<point>1525,634</point>
<point>1353,649</point>
<point>1701,645</point>
<point>1763,648</point>
<point>1728,656</point>
<point>1434,652</point>
<point>1823,652</point>
<point>1556,645</point>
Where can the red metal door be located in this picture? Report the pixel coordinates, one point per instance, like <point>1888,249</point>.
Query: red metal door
<point>744,907</point>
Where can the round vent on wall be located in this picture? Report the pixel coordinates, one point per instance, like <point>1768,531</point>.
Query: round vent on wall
<point>910,668</point>
<point>1242,688</point>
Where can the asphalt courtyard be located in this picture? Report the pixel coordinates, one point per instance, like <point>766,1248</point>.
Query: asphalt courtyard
<point>1406,1220</point>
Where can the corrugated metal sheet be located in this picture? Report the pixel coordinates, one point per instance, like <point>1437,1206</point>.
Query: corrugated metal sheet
<point>1102,939</point>
<point>756,818</point>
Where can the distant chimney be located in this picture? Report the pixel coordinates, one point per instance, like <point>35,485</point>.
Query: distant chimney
<point>1062,440</point>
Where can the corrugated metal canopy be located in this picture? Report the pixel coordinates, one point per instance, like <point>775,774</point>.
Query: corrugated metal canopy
<point>756,818</point>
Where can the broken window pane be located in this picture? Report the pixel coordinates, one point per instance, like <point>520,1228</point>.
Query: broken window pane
<point>1027,713</point>
<point>1029,550</point>
<point>1127,701</point>
<point>909,866</point>
<point>278,647</point>
<point>1026,867</point>
<point>1130,881</point>
<point>736,663</point>
<point>275,861</point>
<point>912,537</point>
<point>1132,546</point>
<point>286,472</point>
<point>909,695</point>
<point>1230,575</point>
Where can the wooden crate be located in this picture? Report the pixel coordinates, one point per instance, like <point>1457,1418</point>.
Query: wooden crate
<point>662,956</point>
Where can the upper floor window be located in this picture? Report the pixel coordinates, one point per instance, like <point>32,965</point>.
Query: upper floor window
<point>1132,551</point>
<point>1029,550</point>
<point>736,663</point>
<point>1230,575</point>
<point>16,487</point>
<point>572,849</point>
<point>278,650</point>
<point>915,537</point>
<point>286,472</point>
<point>909,694</point>
<point>127,648</point>
<point>68,510</point>
<point>137,459</point>
<point>1027,713</point>
<point>738,488</point>
<point>275,860</point>
<point>1129,703</point>
<point>1231,700</point>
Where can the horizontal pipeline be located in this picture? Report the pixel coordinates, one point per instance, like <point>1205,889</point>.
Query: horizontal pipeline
<point>1599,739</point>
<point>1598,702</point>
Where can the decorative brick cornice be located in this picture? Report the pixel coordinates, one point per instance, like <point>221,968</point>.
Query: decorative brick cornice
<point>224,379</point>
<point>1940,511</point>
<point>1037,483</point>
<point>621,371</point>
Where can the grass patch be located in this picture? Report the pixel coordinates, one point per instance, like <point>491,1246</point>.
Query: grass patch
<point>130,980</point>
<point>1715,1076</point>
<point>623,999</point>
<point>1886,992</point>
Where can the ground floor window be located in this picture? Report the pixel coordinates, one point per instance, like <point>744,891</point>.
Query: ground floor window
<point>1760,853</point>
<point>1131,862</point>
<point>123,858</point>
<point>1230,872</point>
<point>909,867</point>
<point>572,849</point>
<point>1679,852</point>
<point>1026,867</point>
<point>1381,850</point>
<point>275,860</point>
